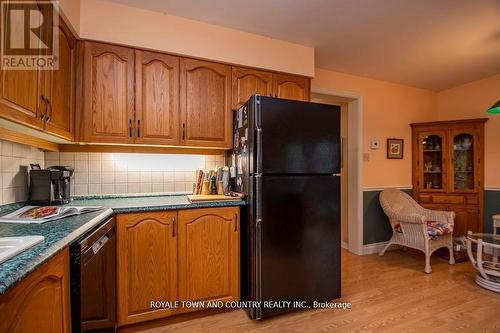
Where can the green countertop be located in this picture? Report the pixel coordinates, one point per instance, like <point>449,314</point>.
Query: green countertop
<point>60,233</point>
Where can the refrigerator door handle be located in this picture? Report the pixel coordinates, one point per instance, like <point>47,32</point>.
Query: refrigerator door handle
<point>341,152</point>
<point>258,197</point>
<point>258,265</point>
<point>258,143</point>
<point>258,134</point>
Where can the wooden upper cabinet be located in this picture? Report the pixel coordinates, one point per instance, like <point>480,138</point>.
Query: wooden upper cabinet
<point>248,82</point>
<point>157,98</point>
<point>40,302</point>
<point>108,93</point>
<point>20,98</point>
<point>291,87</point>
<point>147,264</point>
<point>209,254</point>
<point>59,87</point>
<point>205,103</point>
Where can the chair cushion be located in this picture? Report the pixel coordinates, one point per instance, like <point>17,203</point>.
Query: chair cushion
<point>434,228</point>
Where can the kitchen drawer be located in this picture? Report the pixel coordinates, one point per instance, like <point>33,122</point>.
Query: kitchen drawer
<point>448,199</point>
<point>424,199</point>
<point>436,207</point>
<point>472,200</point>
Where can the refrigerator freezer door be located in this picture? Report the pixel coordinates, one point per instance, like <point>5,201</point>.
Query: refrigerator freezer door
<point>298,137</point>
<point>299,241</point>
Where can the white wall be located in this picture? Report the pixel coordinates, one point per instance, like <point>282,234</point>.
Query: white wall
<point>15,163</point>
<point>106,173</point>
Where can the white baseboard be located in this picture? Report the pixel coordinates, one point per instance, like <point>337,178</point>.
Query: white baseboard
<point>377,247</point>
<point>344,245</point>
<point>373,248</point>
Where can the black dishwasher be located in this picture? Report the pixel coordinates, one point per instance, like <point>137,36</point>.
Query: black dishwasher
<point>93,280</point>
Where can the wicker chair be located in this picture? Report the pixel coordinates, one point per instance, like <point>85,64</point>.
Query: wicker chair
<point>409,224</point>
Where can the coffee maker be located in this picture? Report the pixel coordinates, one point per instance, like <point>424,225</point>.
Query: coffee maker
<point>51,186</point>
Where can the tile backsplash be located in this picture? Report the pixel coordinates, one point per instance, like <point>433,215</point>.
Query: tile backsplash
<point>115,173</point>
<point>15,163</point>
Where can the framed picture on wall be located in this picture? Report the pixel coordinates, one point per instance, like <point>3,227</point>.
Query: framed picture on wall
<point>395,148</point>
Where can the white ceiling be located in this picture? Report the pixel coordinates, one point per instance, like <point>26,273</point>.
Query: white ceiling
<point>433,44</point>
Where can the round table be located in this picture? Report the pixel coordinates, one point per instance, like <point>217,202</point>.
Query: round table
<point>489,271</point>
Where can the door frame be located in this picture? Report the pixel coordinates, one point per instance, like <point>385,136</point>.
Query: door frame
<point>355,163</point>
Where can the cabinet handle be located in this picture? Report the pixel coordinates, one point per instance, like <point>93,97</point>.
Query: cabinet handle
<point>183,131</point>
<point>130,127</point>
<point>44,103</point>
<point>49,112</point>
<point>138,128</point>
<point>173,226</point>
<point>235,222</point>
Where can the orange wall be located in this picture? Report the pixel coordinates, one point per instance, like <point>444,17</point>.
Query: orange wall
<point>70,10</point>
<point>388,109</point>
<point>112,22</point>
<point>471,100</point>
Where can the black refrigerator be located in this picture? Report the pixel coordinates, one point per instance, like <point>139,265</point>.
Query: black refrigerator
<point>287,157</point>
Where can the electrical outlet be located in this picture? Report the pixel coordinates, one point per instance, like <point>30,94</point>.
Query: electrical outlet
<point>366,157</point>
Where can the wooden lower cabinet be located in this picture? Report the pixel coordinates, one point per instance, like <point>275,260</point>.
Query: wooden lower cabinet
<point>209,255</point>
<point>147,264</point>
<point>41,302</point>
<point>176,256</point>
<point>466,218</point>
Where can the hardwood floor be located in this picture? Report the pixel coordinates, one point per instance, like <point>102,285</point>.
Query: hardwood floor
<point>388,294</point>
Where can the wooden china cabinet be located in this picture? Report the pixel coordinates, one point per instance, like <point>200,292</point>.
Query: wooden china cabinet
<point>448,169</point>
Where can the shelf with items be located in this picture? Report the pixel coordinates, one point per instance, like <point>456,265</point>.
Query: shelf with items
<point>432,156</point>
<point>463,162</point>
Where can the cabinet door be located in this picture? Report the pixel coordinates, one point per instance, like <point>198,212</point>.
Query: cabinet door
<point>157,98</point>
<point>59,87</point>
<point>431,161</point>
<point>467,219</point>
<point>20,98</point>
<point>464,150</point>
<point>248,82</point>
<point>147,264</point>
<point>209,254</point>
<point>108,93</point>
<point>291,87</point>
<point>41,302</point>
<point>205,104</point>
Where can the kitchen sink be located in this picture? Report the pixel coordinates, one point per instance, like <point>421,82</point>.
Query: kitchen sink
<point>12,246</point>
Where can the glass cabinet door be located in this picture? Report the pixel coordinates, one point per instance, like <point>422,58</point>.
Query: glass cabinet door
<point>464,173</point>
<point>432,170</point>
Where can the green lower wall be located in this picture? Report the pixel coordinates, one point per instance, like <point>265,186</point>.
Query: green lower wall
<point>377,228</point>
<point>491,207</point>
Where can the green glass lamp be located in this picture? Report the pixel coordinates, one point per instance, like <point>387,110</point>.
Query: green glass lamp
<point>495,109</point>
